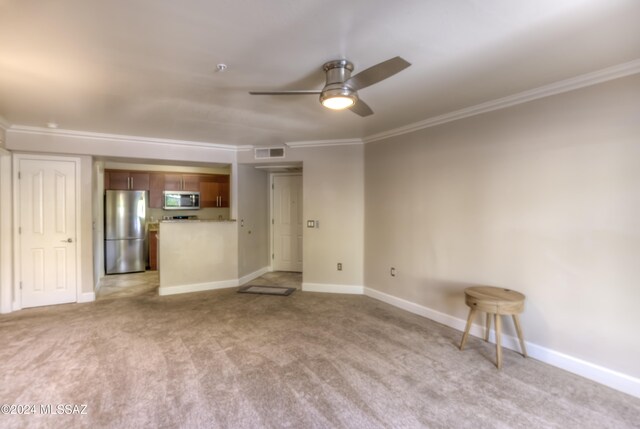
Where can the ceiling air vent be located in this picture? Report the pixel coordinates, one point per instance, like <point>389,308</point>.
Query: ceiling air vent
<point>269,152</point>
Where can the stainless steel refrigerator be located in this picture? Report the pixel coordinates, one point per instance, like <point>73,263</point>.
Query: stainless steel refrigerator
<point>125,222</point>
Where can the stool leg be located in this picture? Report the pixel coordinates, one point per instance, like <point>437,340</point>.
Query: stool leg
<point>472,312</point>
<point>498,324</point>
<point>488,327</point>
<point>516,321</point>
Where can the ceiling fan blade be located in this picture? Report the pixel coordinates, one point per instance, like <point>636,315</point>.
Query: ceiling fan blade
<point>361,108</point>
<point>377,73</point>
<point>292,92</point>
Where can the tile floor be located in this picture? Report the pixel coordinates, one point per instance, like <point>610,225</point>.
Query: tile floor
<point>147,283</point>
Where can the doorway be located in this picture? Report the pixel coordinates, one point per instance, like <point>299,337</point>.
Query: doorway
<point>47,213</point>
<point>286,222</point>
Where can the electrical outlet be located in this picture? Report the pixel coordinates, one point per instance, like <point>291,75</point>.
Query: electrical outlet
<point>339,266</point>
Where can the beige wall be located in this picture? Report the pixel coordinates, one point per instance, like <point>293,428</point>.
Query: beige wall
<point>182,246</point>
<point>543,197</point>
<point>253,220</point>
<point>333,193</point>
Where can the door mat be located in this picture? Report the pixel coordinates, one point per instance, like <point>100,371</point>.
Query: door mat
<point>267,290</point>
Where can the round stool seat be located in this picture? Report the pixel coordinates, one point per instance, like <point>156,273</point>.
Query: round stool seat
<point>495,302</point>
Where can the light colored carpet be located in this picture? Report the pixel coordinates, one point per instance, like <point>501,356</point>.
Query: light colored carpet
<point>226,360</point>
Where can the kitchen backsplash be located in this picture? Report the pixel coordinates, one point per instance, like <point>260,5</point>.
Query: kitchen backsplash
<point>206,213</point>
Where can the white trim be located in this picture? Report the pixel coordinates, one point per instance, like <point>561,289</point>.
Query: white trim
<point>254,275</point>
<point>87,297</point>
<point>581,81</point>
<point>197,287</point>
<point>577,82</point>
<point>271,214</point>
<point>322,143</point>
<point>17,295</point>
<point>331,288</point>
<point>421,310</point>
<point>6,232</point>
<point>616,380</point>
<point>128,139</point>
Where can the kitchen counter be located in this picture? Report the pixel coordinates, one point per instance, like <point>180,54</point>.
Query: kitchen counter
<point>197,255</point>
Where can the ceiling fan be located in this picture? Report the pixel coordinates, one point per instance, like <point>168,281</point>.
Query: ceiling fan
<point>341,90</point>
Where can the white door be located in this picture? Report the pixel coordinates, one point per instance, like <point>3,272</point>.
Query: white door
<point>287,223</point>
<point>47,231</point>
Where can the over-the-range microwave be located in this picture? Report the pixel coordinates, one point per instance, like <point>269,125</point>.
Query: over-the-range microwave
<point>181,200</point>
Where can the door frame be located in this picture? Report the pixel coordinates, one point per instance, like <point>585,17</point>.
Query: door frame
<point>6,232</point>
<point>17,157</point>
<point>271,224</point>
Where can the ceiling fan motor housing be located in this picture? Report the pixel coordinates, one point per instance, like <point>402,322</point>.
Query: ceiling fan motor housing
<point>338,72</point>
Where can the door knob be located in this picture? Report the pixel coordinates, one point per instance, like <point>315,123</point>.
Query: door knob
<point>68,240</point>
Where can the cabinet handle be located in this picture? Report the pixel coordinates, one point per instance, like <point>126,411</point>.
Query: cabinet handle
<point>132,183</point>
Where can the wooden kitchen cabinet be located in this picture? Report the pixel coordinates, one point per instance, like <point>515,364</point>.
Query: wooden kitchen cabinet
<point>172,182</point>
<point>181,182</point>
<point>139,181</point>
<point>116,180</point>
<point>191,182</point>
<point>156,186</point>
<point>224,190</point>
<point>126,180</point>
<point>153,250</point>
<point>214,190</point>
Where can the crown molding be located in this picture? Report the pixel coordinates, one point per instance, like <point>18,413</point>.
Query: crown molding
<point>117,137</point>
<point>581,81</point>
<point>322,143</point>
<point>588,79</point>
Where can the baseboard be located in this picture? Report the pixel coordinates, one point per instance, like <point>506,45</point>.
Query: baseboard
<point>331,288</point>
<point>599,374</point>
<point>197,287</point>
<point>87,297</point>
<point>254,275</point>
<point>223,284</point>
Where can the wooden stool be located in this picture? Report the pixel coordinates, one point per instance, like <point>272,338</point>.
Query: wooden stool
<point>497,302</point>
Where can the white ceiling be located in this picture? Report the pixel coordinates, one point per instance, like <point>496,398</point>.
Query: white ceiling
<point>148,67</point>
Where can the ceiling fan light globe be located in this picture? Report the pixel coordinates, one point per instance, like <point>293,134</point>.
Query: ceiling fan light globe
<point>338,97</point>
<point>338,103</point>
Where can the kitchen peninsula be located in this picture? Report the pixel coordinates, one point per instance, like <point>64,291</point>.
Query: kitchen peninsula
<point>197,255</point>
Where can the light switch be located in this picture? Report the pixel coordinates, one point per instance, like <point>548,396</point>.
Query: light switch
<point>311,224</point>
